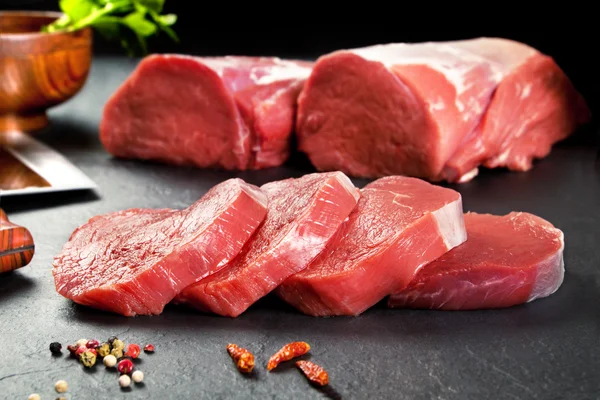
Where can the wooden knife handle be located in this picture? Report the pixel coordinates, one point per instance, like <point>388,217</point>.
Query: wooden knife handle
<point>16,245</point>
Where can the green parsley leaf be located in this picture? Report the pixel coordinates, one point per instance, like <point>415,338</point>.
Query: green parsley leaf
<point>152,5</point>
<point>108,27</point>
<point>130,22</point>
<point>78,9</point>
<point>164,22</point>
<point>167,19</point>
<point>139,24</point>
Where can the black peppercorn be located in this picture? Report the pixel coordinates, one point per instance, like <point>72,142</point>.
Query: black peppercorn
<point>55,347</point>
<point>111,340</point>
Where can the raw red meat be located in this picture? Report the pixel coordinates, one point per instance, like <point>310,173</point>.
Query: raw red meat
<point>507,260</point>
<point>534,106</point>
<point>435,110</point>
<point>232,112</point>
<point>135,261</point>
<point>399,225</point>
<point>304,213</point>
<point>396,109</point>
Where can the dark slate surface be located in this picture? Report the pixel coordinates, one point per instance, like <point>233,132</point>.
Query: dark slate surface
<point>544,350</point>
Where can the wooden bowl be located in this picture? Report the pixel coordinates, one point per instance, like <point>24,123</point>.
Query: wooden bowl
<point>38,70</point>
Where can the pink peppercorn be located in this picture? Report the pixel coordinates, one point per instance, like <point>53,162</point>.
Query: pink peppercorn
<point>92,344</point>
<point>149,348</point>
<point>125,366</point>
<point>72,349</point>
<point>80,350</point>
<point>133,350</point>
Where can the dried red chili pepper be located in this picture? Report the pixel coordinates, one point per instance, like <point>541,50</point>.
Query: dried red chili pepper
<point>313,372</point>
<point>287,352</point>
<point>244,360</point>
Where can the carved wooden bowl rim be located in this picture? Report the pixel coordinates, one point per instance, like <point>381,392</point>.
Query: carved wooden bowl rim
<point>35,34</point>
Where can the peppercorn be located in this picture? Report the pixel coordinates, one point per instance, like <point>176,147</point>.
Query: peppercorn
<point>133,350</point>
<point>72,349</point>
<point>61,386</point>
<point>125,366</point>
<point>124,358</point>
<point>61,398</point>
<point>117,344</point>
<point>118,353</point>
<point>92,344</point>
<point>81,342</point>
<point>137,376</point>
<point>111,340</point>
<point>124,380</point>
<point>110,361</point>
<point>80,350</point>
<point>103,350</point>
<point>55,347</point>
<point>34,396</point>
<point>149,348</point>
<point>88,358</point>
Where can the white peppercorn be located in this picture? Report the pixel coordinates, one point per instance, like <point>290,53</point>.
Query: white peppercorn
<point>110,361</point>
<point>61,386</point>
<point>124,380</point>
<point>137,376</point>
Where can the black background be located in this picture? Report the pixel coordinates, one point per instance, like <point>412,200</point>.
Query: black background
<point>309,29</point>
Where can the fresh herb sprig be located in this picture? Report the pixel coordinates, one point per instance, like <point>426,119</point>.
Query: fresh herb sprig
<point>131,22</point>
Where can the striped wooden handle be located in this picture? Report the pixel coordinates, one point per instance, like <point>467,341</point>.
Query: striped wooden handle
<point>16,245</point>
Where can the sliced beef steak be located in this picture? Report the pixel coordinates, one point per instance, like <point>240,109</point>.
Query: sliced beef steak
<point>396,109</point>
<point>399,225</point>
<point>534,106</point>
<point>134,262</point>
<point>304,213</point>
<point>232,112</point>
<point>507,260</point>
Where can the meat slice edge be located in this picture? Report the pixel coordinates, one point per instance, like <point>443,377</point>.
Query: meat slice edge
<point>399,225</point>
<point>133,262</point>
<point>507,260</point>
<point>304,213</point>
